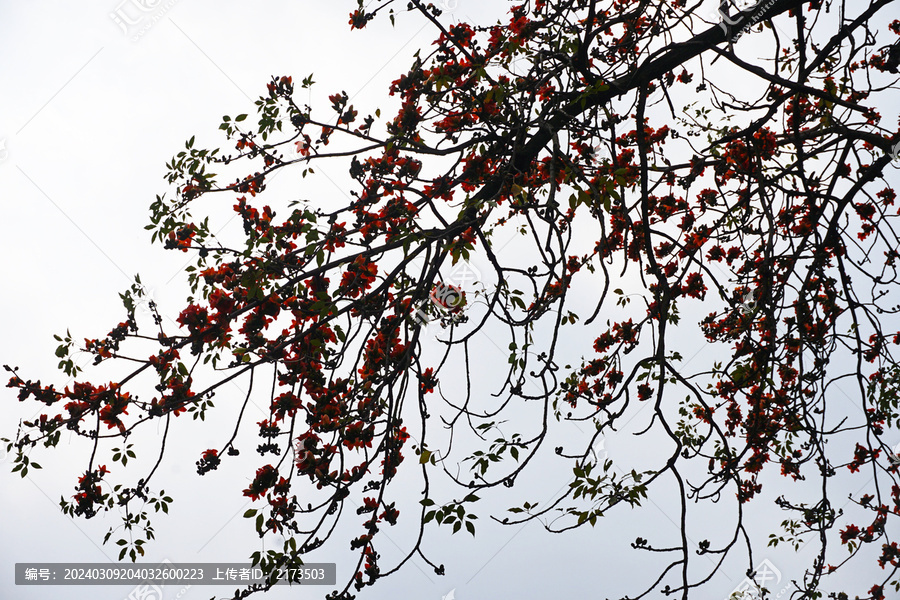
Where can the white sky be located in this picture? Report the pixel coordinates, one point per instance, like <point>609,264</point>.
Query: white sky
<point>88,118</point>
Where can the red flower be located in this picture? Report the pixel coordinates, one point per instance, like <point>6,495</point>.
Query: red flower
<point>449,297</point>
<point>427,381</point>
<point>266,477</point>
<point>359,19</point>
<point>359,276</point>
<point>644,391</point>
<point>694,286</point>
<point>849,533</point>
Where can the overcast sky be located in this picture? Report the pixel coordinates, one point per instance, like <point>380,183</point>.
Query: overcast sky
<point>96,98</point>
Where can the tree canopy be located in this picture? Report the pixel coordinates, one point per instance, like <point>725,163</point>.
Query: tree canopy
<point>657,172</point>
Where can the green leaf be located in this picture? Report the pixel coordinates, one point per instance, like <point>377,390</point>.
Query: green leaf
<point>251,512</point>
